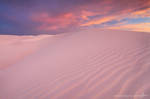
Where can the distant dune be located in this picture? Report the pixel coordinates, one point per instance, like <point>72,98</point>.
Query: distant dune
<point>89,64</point>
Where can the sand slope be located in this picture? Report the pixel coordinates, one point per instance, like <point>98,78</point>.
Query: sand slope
<point>90,64</point>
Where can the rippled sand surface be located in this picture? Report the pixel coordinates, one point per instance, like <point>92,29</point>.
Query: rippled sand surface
<point>90,64</point>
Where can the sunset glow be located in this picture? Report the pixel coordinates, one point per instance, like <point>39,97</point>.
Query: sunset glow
<point>57,16</point>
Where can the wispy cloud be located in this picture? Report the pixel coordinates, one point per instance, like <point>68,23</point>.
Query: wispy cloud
<point>143,27</point>
<point>51,16</point>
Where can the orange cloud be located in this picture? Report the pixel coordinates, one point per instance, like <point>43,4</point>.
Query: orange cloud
<point>99,21</point>
<point>142,13</point>
<point>85,14</point>
<point>137,14</point>
<point>143,27</point>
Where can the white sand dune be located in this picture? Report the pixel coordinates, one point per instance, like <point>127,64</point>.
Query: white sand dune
<point>15,48</point>
<point>90,64</point>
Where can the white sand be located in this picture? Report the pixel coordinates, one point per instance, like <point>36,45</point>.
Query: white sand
<point>91,64</point>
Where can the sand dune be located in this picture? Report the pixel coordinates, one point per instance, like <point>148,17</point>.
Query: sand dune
<point>15,48</point>
<point>89,64</point>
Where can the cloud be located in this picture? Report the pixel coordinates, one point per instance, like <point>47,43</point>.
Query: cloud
<point>52,16</point>
<point>143,27</point>
<point>99,21</point>
<point>86,14</point>
<point>142,13</point>
<point>49,22</point>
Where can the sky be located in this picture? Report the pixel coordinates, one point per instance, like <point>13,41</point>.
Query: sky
<point>33,17</point>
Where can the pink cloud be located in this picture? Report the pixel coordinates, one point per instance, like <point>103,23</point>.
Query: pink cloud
<point>91,14</point>
<point>52,23</point>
